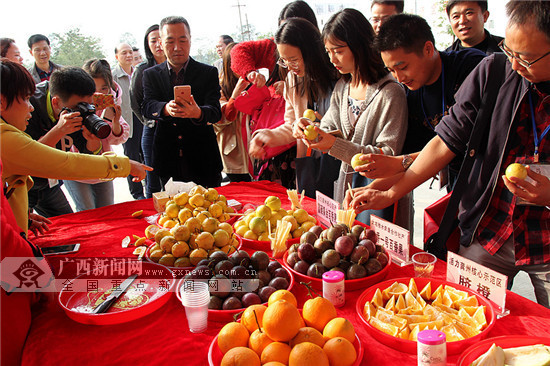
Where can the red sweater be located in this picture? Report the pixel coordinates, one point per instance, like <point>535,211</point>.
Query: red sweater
<point>253,55</point>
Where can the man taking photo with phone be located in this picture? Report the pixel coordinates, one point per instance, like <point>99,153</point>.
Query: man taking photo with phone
<point>185,146</point>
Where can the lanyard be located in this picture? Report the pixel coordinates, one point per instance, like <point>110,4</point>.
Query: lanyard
<point>535,135</point>
<point>442,96</point>
<point>49,106</point>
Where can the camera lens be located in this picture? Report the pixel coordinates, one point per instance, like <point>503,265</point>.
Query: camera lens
<point>97,126</point>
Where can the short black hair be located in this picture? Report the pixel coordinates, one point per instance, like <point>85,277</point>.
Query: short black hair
<point>174,19</point>
<point>399,5</point>
<point>298,9</point>
<point>135,49</point>
<point>5,44</point>
<point>71,81</point>
<point>452,3</point>
<point>16,83</point>
<point>536,12</point>
<point>351,26</point>
<point>226,39</point>
<point>407,31</point>
<point>35,38</point>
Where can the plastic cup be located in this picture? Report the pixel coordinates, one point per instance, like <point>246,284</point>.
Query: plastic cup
<point>424,264</point>
<point>195,297</point>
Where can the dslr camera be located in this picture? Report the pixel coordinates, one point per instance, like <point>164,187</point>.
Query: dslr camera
<point>93,123</point>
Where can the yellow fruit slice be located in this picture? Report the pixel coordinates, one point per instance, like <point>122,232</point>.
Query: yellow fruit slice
<point>470,301</point>
<point>437,292</point>
<point>377,299</point>
<point>137,213</point>
<point>369,310</point>
<point>412,287</point>
<point>400,303</point>
<point>479,317</point>
<point>426,292</point>
<point>384,327</point>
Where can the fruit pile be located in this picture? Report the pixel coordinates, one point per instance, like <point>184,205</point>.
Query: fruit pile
<point>353,252</point>
<point>194,228</point>
<point>402,311</point>
<point>240,280</point>
<point>254,224</point>
<point>279,335</point>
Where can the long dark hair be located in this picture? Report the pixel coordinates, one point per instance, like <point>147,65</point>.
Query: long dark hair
<point>148,54</point>
<point>229,79</point>
<point>319,73</point>
<point>351,26</point>
<point>16,83</point>
<point>298,9</point>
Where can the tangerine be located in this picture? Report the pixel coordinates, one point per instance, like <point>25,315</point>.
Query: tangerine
<point>308,334</point>
<point>258,341</point>
<point>282,295</point>
<point>340,352</point>
<point>276,351</point>
<point>273,363</point>
<point>281,321</point>
<point>317,312</point>
<point>240,356</point>
<point>249,320</point>
<point>307,354</point>
<point>339,327</point>
<point>232,335</point>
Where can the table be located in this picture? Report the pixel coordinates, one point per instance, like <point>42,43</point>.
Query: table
<point>163,336</point>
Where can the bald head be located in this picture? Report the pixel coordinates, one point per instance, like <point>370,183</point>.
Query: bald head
<point>124,55</point>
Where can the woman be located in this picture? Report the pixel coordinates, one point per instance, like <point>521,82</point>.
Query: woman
<point>368,107</point>
<point>233,126</point>
<point>92,194</point>
<point>22,156</point>
<point>9,49</point>
<point>308,85</point>
<point>154,55</point>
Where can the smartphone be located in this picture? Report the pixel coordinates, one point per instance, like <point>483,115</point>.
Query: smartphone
<point>102,101</point>
<point>182,93</point>
<point>61,249</point>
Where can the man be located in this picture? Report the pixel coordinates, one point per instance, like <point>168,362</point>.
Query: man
<point>39,47</point>
<point>381,10</point>
<point>185,146</point>
<point>220,47</point>
<point>468,20</point>
<point>496,230</point>
<point>137,56</point>
<point>56,127</point>
<point>122,75</point>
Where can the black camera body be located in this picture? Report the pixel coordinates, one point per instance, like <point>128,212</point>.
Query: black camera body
<point>93,123</point>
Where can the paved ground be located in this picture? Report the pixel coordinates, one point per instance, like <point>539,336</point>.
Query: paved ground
<point>423,197</point>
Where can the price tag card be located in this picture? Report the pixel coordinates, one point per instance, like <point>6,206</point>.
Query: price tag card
<point>394,238</point>
<point>326,209</point>
<point>486,282</point>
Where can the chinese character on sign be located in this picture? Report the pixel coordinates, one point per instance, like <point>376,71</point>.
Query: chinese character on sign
<point>116,284</point>
<point>164,285</point>
<point>83,265</point>
<point>464,281</point>
<point>236,285</point>
<point>189,286</point>
<point>484,291</point>
<point>68,285</point>
<point>92,285</point>
<point>212,285</point>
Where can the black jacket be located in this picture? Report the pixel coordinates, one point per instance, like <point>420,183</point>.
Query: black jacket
<point>185,149</point>
<point>489,45</point>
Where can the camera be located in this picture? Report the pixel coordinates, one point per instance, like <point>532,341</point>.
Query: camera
<point>93,123</point>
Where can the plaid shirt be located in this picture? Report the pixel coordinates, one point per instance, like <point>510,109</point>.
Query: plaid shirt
<point>530,225</point>
<point>44,75</point>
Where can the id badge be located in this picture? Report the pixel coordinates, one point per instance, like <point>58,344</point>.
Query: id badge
<point>539,168</point>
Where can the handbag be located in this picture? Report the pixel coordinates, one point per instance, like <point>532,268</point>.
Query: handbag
<point>317,172</point>
<point>267,111</point>
<point>441,218</point>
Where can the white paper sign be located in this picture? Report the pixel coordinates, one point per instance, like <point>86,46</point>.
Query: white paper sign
<point>326,209</point>
<point>486,282</point>
<point>393,237</point>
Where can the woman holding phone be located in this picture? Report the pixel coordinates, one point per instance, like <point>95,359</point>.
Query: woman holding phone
<point>368,106</point>
<point>90,194</point>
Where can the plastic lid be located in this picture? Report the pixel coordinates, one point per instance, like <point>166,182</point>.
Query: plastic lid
<point>431,337</point>
<point>333,276</point>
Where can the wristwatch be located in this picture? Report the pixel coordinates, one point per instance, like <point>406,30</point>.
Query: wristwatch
<point>407,161</point>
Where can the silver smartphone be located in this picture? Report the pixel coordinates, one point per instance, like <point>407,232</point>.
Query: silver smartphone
<point>61,249</point>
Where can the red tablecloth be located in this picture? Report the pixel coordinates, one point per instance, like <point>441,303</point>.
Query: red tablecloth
<point>163,337</point>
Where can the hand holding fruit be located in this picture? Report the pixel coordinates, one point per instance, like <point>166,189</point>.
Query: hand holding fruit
<point>324,141</point>
<point>536,192</point>
<point>379,166</point>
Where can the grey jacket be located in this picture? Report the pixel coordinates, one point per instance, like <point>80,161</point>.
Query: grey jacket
<point>34,73</point>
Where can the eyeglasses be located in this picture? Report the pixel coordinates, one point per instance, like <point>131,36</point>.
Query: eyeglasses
<point>376,20</point>
<point>286,64</point>
<point>523,63</point>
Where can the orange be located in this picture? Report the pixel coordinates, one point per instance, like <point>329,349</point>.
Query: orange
<point>281,321</point>
<point>282,295</point>
<point>339,327</point>
<point>232,335</point>
<point>317,312</point>
<point>308,334</point>
<point>249,320</point>
<point>340,352</point>
<point>276,351</point>
<point>150,231</point>
<point>307,354</point>
<point>273,363</point>
<point>258,341</point>
<point>240,356</point>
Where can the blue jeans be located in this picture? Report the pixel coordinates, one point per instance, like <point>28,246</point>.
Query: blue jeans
<point>89,196</point>
<point>152,182</point>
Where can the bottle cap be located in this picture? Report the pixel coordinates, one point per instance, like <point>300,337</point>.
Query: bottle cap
<point>333,276</point>
<point>431,337</point>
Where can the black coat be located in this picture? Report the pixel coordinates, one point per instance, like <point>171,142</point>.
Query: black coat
<point>185,149</point>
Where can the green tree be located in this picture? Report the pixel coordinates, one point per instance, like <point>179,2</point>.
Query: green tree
<point>73,48</point>
<point>206,56</point>
<point>442,26</point>
<point>128,38</point>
